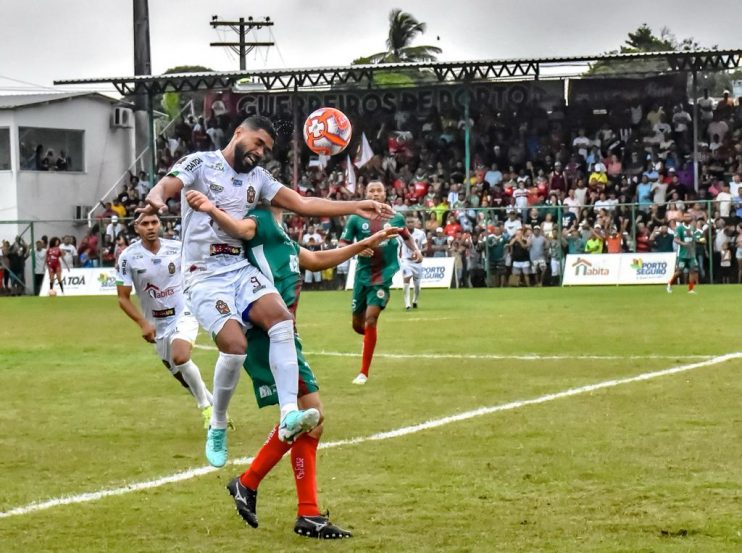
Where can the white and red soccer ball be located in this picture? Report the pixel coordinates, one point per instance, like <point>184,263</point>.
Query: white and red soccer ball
<point>327,131</point>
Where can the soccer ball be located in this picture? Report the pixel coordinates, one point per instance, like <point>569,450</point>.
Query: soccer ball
<point>52,292</point>
<point>327,131</point>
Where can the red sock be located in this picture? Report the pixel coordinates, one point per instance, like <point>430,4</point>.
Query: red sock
<point>672,280</point>
<point>272,451</point>
<point>369,344</point>
<point>304,464</point>
<point>691,284</point>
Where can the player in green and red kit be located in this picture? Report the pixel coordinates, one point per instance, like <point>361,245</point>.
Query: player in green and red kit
<point>374,272</point>
<point>686,237</point>
<point>279,258</point>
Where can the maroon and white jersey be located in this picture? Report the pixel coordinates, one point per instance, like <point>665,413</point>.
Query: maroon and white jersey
<point>158,282</point>
<point>207,249</point>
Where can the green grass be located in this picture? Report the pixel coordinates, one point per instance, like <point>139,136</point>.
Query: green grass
<point>649,466</point>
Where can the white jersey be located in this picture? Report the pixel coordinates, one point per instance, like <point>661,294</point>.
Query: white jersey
<point>420,239</point>
<point>68,253</point>
<point>207,249</point>
<point>156,277</point>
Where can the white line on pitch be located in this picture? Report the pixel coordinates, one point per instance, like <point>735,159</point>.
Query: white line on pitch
<point>404,431</point>
<point>521,357</point>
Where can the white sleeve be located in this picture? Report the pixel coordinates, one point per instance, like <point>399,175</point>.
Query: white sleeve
<point>123,271</point>
<point>187,169</point>
<point>268,186</point>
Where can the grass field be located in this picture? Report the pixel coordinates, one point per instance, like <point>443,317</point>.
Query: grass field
<point>650,465</point>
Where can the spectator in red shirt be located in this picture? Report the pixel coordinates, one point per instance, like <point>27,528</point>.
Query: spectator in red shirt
<point>643,244</point>
<point>452,227</point>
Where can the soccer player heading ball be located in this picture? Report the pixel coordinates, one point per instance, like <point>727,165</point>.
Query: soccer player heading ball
<point>226,293</point>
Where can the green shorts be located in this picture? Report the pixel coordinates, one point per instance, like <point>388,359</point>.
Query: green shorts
<point>687,263</point>
<point>365,295</point>
<point>257,365</point>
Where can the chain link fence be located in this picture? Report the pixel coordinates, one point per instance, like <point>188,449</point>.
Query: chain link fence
<point>470,235</point>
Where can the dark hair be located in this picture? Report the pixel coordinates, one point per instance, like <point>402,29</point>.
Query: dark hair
<point>54,242</point>
<point>258,122</point>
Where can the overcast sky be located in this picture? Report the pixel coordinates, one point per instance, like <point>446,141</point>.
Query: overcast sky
<point>44,40</point>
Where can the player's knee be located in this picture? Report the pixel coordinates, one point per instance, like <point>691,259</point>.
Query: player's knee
<point>371,320</point>
<point>180,358</point>
<point>233,347</point>
<point>358,326</point>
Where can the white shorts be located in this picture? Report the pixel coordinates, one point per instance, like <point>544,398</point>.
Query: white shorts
<point>411,269</point>
<point>186,328</point>
<point>521,267</point>
<point>217,299</point>
<point>312,276</point>
<point>556,266</point>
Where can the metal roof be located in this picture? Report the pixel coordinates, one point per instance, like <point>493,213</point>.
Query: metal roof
<point>15,101</point>
<point>475,70</point>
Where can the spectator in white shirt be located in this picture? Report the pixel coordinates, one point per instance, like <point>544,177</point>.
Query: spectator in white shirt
<point>113,229</point>
<point>724,198</point>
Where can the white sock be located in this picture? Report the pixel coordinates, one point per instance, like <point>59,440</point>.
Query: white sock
<point>192,376</point>
<point>226,375</point>
<point>417,290</point>
<point>284,366</point>
<point>406,287</point>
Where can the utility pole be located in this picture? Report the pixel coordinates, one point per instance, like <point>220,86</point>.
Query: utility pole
<point>242,27</point>
<point>143,109</point>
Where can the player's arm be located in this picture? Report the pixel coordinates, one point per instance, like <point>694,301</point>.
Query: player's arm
<point>320,207</point>
<point>321,260</point>
<point>237,228</point>
<point>128,307</point>
<point>167,187</point>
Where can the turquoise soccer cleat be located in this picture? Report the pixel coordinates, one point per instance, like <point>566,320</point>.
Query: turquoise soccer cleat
<point>296,422</point>
<point>216,447</point>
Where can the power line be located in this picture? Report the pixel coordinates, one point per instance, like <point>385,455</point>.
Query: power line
<point>242,27</point>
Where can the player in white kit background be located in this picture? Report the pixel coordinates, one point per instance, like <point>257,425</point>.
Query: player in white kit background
<point>227,294</point>
<point>411,268</point>
<point>151,266</point>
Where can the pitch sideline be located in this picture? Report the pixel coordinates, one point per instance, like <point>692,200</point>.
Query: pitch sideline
<point>406,430</point>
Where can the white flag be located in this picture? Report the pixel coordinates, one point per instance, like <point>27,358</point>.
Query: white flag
<point>366,153</point>
<point>350,176</point>
<point>318,161</point>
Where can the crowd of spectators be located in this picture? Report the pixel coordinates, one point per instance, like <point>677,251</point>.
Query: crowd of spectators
<point>542,183</point>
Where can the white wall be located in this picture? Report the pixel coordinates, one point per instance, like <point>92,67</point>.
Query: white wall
<point>52,195</point>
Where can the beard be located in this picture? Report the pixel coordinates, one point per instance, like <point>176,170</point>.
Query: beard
<point>241,165</point>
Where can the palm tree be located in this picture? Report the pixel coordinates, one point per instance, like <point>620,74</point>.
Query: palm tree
<point>403,28</point>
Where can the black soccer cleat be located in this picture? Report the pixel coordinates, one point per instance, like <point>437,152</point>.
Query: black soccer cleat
<point>319,527</point>
<point>414,305</point>
<point>245,501</point>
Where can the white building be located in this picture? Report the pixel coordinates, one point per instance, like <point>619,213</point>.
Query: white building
<point>59,152</point>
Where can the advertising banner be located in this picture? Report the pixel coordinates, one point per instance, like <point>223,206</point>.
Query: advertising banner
<point>603,93</point>
<point>646,268</point>
<point>418,101</point>
<point>620,268</point>
<point>437,272</point>
<point>591,269</point>
<point>84,282</point>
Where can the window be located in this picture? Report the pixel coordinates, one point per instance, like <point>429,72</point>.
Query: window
<point>4,149</point>
<point>50,149</point>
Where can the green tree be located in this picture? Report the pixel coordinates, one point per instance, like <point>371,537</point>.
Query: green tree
<point>643,39</point>
<point>173,102</point>
<point>403,29</point>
